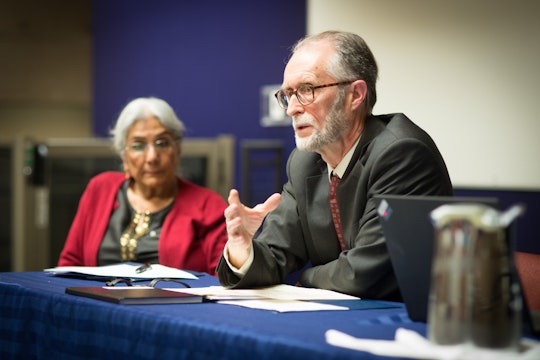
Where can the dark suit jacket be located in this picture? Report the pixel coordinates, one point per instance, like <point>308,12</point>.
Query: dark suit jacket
<point>394,156</point>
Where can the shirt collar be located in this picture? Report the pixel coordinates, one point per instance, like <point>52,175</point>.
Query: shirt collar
<point>339,170</point>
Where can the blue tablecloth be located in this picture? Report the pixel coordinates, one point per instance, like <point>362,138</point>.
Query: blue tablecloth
<point>39,321</point>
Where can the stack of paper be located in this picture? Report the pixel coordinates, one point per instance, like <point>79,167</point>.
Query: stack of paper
<point>281,298</point>
<point>124,270</point>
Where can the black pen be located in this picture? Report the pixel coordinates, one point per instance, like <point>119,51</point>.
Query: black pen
<point>143,268</point>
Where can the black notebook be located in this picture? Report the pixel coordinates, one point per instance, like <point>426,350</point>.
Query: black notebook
<point>134,295</point>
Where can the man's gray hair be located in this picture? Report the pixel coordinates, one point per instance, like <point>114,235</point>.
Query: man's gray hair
<point>353,60</point>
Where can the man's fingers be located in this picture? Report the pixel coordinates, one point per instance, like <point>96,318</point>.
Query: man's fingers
<point>234,205</point>
<point>234,227</point>
<point>231,211</point>
<point>272,202</point>
<point>234,197</point>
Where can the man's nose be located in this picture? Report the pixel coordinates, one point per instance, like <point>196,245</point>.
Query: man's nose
<point>294,106</point>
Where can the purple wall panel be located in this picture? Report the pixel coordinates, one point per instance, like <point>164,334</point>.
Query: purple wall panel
<point>208,59</point>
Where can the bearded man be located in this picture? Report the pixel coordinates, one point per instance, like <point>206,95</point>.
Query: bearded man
<point>325,216</point>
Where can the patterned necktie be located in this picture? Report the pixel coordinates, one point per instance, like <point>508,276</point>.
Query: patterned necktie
<point>335,210</point>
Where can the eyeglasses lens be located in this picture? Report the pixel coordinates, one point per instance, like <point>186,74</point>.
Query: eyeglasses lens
<point>160,146</point>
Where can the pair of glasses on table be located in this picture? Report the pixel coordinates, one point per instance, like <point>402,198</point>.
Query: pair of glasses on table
<point>134,282</point>
<point>140,270</point>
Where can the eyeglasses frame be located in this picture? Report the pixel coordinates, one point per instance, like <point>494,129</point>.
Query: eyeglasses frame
<point>313,88</point>
<point>170,143</point>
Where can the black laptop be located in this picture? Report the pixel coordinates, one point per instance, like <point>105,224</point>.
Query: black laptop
<point>409,237</point>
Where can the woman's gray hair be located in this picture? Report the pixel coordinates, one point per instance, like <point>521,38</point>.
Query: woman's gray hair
<point>143,108</point>
<point>353,60</point>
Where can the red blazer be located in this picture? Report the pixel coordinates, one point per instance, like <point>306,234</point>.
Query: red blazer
<point>192,237</point>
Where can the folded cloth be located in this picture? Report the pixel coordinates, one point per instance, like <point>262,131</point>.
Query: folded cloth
<point>409,344</point>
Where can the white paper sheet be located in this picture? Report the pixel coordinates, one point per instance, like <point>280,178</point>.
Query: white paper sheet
<point>277,292</point>
<point>125,270</point>
<point>281,298</point>
<point>283,305</point>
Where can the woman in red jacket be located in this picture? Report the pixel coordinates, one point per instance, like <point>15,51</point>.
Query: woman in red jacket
<point>147,214</point>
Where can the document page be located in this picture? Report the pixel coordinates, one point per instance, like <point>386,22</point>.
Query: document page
<point>277,292</point>
<point>289,292</point>
<point>124,270</point>
<point>281,298</point>
<point>283,305</point>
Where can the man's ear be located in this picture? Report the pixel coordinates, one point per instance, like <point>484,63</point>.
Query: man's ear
<point>359,93</point>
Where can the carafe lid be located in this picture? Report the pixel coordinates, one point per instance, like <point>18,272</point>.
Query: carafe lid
<point>479,215</point>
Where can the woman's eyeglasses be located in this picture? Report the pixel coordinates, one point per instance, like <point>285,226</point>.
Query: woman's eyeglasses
<point>140,147</point>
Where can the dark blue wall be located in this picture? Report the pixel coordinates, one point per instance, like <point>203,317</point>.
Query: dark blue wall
<point>208,59</point>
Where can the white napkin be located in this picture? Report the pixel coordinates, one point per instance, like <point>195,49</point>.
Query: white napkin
<point>410,344</point>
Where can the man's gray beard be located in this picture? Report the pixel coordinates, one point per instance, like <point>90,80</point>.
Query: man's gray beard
<point>333,126</point>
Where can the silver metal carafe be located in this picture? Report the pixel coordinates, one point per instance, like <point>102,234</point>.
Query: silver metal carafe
<point>474,295</point>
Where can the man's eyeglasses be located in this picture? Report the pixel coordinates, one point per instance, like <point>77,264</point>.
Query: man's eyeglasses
<point>140,147</point>
<point>305,93</point>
